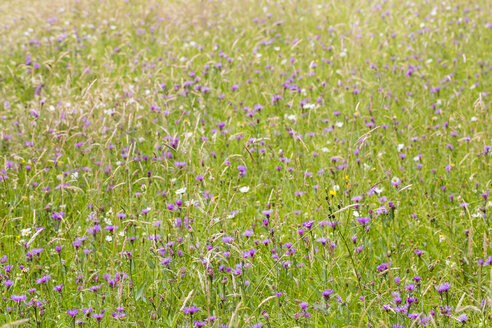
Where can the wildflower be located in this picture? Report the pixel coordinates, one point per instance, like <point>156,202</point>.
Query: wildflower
<point>98,316</point>
<point>463,318</point>
<point>18,299</point>
<point>444,287</point>
<point>327,293</point>
<point>72,312</point>
<point>191,310</point>
<point>43,279</point>
<point>58,288</point>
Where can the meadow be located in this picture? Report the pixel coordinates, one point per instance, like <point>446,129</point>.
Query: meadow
<point>289,163</point>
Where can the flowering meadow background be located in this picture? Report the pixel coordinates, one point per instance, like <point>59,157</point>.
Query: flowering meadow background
<point>245,163</point>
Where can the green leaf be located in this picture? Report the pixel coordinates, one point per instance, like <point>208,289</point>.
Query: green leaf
<point>140,292</point>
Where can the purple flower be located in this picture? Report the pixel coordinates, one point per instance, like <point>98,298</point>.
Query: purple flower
<point>95,288</point>
<point>19,298</point>
<point>58,288</point>
<point>87,311</point>
<point>72,312</point>
<point>8,283</point>
<point>58,215</point>
<point>444,287</point>
<point>308,224</point>
<point>118,316</point>
<point>242,170</point>
<point>327,293</point>
<point>191,310</point>
<point>98,316</point>
<point>463,318</point>
<point>383,267</point>
<point>42,280</point>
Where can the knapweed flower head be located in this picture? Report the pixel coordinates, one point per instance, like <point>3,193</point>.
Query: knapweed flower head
<point>43,279</point>
<point>98,316</point>
<point>191,310</point>
<point>444,287</point>
<point>18,298</point>
<point>72,312</point>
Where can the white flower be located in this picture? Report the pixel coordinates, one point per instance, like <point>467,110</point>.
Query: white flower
<point>477,214</point>
<point>181,191</point>
<point>336,187</point>
<point>356,214</point>
<point>442,238</point>
<point>231,215</point>
<point>74,175</point>
<point>26,232</point>
<point>378,190</point>
<point>108,221</point>
<point>474,119</point>
<point>309,106</point>
<point>109,238</point>
<point>339,124</point>
<point>325,150</point>
<point>291,117</point>
<point>400,147</point>
<point>122,233</point>
<point>244,189</point>
<point>450,264</point>
<point>366,167</point>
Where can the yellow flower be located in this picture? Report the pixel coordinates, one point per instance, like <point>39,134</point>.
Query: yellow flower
<point>333,193</point>
<point>24,197</point>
